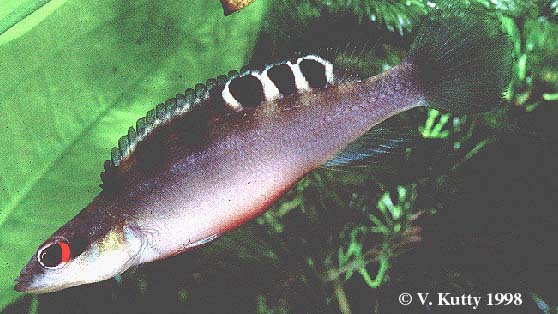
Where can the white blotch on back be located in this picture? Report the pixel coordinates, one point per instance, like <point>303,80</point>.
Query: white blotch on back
<point>300,80</point>
<point>229,98</point>
<point>271,91</point>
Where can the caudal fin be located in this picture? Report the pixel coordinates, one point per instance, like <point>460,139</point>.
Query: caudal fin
<point>462,60</point>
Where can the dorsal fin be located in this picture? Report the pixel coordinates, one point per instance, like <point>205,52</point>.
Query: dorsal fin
<point>180,124</point>
<point>193,104</point>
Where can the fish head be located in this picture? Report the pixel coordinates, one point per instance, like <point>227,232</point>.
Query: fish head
<point>69,258</point>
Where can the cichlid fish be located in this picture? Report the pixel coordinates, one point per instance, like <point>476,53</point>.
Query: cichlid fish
<point>219,155</point>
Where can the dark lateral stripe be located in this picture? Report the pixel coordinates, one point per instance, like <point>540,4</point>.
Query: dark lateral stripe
<point>282,76</point>
<point>314,72</point>
<point>247,90</point>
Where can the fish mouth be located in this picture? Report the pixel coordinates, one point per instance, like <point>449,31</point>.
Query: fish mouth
<point>24,283</point>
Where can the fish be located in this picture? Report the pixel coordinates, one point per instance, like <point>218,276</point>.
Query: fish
<point>219,155</point>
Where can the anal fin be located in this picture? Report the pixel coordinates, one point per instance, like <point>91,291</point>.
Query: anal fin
<point>391,139</point>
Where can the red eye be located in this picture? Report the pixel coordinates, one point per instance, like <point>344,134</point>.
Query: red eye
<point>54,254</point>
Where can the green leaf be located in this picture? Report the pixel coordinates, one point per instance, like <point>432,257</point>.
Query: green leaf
<point>14,11</point>
<point>74,83</point>
<point>435,130</point>
<point>20,16</point>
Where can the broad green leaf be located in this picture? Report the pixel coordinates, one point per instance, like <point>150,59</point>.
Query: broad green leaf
<point>14,11</point>
<point>19,16</point>
<point>73,83</point>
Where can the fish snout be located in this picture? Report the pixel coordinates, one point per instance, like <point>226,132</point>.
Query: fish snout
<point>23,283</point>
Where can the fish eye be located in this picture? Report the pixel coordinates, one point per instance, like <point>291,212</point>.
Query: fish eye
<point>54,254</point>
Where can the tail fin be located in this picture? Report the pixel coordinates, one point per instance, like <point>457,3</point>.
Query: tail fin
<point>462,61</point>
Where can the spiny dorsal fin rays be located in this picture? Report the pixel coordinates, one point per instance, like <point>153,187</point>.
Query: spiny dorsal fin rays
<point>163,113</point>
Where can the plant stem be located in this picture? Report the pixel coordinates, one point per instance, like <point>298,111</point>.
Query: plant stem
<point>344,307</point>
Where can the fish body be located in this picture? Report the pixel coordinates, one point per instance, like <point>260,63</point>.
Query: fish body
<point>252,158</point>
<point>208,161</point>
